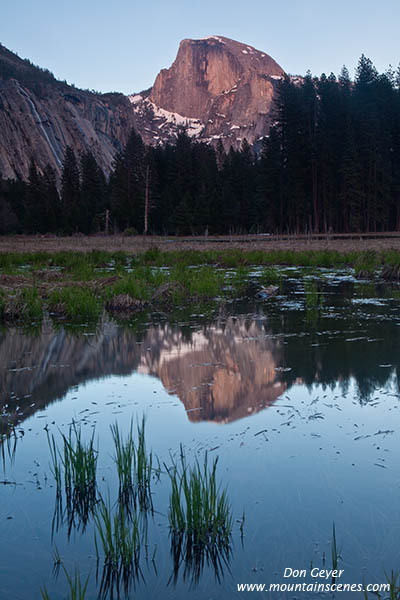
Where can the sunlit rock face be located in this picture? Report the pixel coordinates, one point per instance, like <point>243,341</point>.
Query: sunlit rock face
<point>216,72</point>
<point>220,373</point>
<point>224,85</point>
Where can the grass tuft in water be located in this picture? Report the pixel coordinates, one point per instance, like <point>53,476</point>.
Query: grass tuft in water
<point>77,588</point>
<point>200,520</point>
<point>74,470</point>
<point>74,302</point>
<point>120,541</point>
<point>134,466</point>
<point>313,300</point>
<point>366,265</point>
<point>198,507</point>
<point>25,305</point>
<point>270,276</point>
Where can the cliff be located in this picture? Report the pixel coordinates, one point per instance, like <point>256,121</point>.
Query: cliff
<point>216,88</point>
<point>40,117</point>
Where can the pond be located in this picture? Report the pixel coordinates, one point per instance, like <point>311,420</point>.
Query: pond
<point>298,397</point>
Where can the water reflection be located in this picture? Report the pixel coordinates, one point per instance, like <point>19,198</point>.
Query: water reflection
<point>221,372</point>
<point>189,558</point>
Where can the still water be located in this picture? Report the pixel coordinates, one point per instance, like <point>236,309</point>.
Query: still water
<point>298,396</point>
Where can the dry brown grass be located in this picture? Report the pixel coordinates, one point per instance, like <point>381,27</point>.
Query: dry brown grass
<point>138,244</point>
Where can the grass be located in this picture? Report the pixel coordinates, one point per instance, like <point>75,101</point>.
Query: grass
<point>119,537</point>
<point>8,443</point>
<point>313,301</point>
<point>200,520</point>
<point>24,304</point>
<point>120,541</point>
<point>134,467</point>
<point>81,284</point>
<point>198,507</point>
<point>83,265</point>
<point>313,297</point>
<point>74,302</point>
<point>394,588</point>
<point>74,470</point>
<point>239,281</point>
<point>77,587</point>
<point>335,553</point>
<point>270,276</point>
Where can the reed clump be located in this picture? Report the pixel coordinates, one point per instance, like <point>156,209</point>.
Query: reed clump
<point>8,443</point>
<point>134,466</point>
<point>198,507</point>
<point>119,538</point>
<point>200,519</point>
<point>74,468</point>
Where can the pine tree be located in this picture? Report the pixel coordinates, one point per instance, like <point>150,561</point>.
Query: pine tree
<point>70,193</point>
<point>93,194</point>
<point>33,202</point>
<point>127,184</point>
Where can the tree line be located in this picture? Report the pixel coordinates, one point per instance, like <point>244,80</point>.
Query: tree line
<point>331,162</point>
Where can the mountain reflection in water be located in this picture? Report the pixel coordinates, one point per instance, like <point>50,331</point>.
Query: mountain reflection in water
<point>220,372</point>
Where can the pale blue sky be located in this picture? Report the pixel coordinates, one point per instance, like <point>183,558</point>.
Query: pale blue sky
<point>121,45</point>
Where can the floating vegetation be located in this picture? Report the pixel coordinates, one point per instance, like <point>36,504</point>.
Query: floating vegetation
<point>74,470</point>
<point>120,541</point>
<point>135,468</point>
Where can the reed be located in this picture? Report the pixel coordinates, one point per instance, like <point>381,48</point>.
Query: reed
<point>119,539</point>
<point>200,520</point>
<point>74,469</point>
<point>335,553</point>
<point>198,507</point>
<point>8,443</point>
<point>134,466</point>
<point>77,587</point>
<point>80,464</point>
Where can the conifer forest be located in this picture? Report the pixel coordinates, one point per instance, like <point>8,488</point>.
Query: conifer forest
<point>331,162</point>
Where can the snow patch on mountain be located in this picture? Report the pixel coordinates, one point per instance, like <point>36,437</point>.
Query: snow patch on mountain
<point>168,122</point>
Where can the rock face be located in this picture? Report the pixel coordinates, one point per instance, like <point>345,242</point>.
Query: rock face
<point>216,88</point>
<point>40,116</point>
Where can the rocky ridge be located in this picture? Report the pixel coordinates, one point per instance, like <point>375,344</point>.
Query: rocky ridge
<point>216,88</point>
